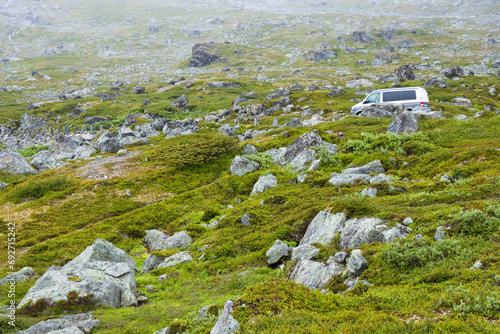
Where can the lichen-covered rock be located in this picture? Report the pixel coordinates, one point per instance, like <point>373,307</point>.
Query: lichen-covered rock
<point>43,161</point>
<point>404,72</point>
<point>452,71</point>
<point>179,258</point>
<point>305,252</point>
<point>241,166</point>
<point>157,240</point>
<point>67,324</point>
<point>14,163</point>
<point>203,54</point>
<point>63,147</point>
<point>305,141</point>
<point>264,183</point>
<point>356,263</point>
<point>20,276</point>
<point>151,263</point>
<point>314,275</point>
<point>102,270</point>
<point>404,123</point>
<point>360,231</point>
<point>180,102</point>
<point>226,324</point>
<point>277,251</point>
<point>323,228</point>
<point>462,101</point>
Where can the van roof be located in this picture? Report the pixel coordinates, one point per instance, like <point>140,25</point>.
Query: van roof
<point>395,89</point>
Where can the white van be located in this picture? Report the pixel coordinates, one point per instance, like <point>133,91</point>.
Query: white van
<point>409,97</point>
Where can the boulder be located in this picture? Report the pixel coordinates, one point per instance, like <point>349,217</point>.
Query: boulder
<point>250,149</point>
<point>360,231</point>
<point>379,111</point>
<point>305,252</point>
<point>342,179</point>
<point>43,161</point>
<point>405,72</point>
<point>226,324</point>
<point>434,82</point>
<point>20,276</point>
<point>67,324</point>
<point>241,166</point>
<point>340,257</point>
<point>277,251</point>
<point>294,122</point>
<point>63,147</point>
<point>397,232</point>
<point>15,163</point>
<point>321,54</point>
<point>178,258</point>
<point>157,240</point>
<point>315,275</point>
<point>462,101</point>
<point>101,270</point>
<point>361,37</point>
<point>223,84</point>
<point>264,183</point>
<point>372,167</point>
<point>203,54</point>
<point>139,90</point>
<point>277,93</point>
<point>369,192</point>
<point>452,71</point>
<point>359,83</point>
<point>305,141</point>
<point>323,228</point>
<point>82,152</point>
<point>356,263</point>
<point>151,263</point>
<point>180,102</point>
<point>304,160</point>
<point>227,130</point>
<point>404,123</point>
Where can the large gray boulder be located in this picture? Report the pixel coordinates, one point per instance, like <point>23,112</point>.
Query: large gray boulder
<point>203,54</point>
<point>180,102</point>
<point>405,72</point>
<point>360,231</point>
<point>157,240</point>
<point>379,111</point>
<point>151,263</point>
<point>277,251</point>
<point>43,161</point>
<point>67,324</point>
<point>63,147</point>
<point>452,71</point>
<point>306,252</point>
<point>241,166</point>
<point>83,152</point>
<point>362,173</point>
<point>101,270</point>
<point>107,143</point>
<point>462,101</point>
<point>178,258</point>
<point>315,275</point>
<point>362,37</point>
<point>14,163</point>
<point>304,160</point>
<point>323,228</point>
<point>264,183</point>
<point>250,149</point>
<point>397,232</point>
<point>20,276</point>
<point>404,123</point>
<point>307,140</point>
<point>226,324</point>
<point>356,263</point>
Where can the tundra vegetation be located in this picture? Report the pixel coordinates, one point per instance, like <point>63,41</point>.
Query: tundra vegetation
<point>446,176</point>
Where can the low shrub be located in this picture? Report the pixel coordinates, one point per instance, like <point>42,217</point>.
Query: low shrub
<point>485,224</point>
<point>32,150</point>
<point>38,189</point>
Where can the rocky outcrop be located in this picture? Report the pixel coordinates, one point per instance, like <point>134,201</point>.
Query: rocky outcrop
<point>315,275</point>
<point>203,54</point>
<point>277,251</point>
<point>405,123</point>
<point>361,37</point>
<point>67,324</point>
<point>102,270</point>
<point>14,163</point>
<point>264,183</point>
<point>157,240</point>
<point>323,228</point>
<point>22,275</point>
<point>226,324</point>
<point>360,231</point>
<point>405,72</point>
<point>43,161</point>
<point>241,166</point>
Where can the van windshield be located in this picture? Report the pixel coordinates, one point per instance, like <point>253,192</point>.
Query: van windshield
<point>373,98</point>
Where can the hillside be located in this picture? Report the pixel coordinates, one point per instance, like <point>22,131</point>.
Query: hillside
<point>195,166</point>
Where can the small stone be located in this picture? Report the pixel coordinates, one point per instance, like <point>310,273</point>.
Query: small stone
<point>440,233</point>
<point>477,265</point>
<point>340,257</point>
<point>445,178</point>
<point>369,192</point>
<point>246,219</point>
<point>407,221</point>
<point>142,300</point>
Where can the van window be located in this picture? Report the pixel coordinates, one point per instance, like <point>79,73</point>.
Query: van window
<point>373,98</point>
<point>400,95</point>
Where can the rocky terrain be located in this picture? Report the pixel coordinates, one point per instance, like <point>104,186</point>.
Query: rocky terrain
<point>195,167</point>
